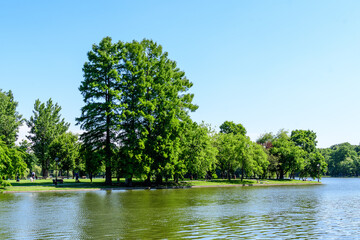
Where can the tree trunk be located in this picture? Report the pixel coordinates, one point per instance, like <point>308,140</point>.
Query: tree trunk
<point>158,179</point>
<point>148,180</point>
<point>281,174</point>
<point>129,182</point>
<point>108,180</point>
<point>242,174</point>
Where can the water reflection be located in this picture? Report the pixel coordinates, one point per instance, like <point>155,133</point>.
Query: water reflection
<point>312,212</point>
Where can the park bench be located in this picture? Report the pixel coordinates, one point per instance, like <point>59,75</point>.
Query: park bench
<point>59,180</point>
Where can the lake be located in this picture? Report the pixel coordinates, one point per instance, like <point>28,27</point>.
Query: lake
<point>328,211</point>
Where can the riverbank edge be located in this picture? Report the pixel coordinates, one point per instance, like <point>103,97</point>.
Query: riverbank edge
<point>169,187</point>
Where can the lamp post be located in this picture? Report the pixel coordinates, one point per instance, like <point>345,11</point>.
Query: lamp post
<point>318,165</point>
<point>56,163</point>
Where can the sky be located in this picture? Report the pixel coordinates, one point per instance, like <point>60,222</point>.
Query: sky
<point>267,64</point>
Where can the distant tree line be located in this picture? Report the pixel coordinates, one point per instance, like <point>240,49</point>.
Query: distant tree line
<point>343,160</point>
<point>136,125</point>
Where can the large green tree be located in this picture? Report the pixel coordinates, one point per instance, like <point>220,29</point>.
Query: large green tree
<point>101,115</point>
<point>155,110</point>
<point>314,162</point>
<point>135,99</point>
<point>234,151</point>
<point>290,157</point>
<point>45,125</point>
<point>10,119</point>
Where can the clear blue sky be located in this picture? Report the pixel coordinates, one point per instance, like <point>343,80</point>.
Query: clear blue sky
<point>265,64</point>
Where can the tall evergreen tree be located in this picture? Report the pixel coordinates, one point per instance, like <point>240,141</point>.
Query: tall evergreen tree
<point>45,125</point>
<point>100,117</point>
<point>156,108</point>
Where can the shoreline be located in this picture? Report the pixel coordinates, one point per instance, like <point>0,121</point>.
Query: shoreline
<point>167,187</point>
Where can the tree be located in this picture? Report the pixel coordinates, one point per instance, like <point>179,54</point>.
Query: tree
<point>306,139</point>
<point>45,125</point>
<point>316,165</point>
<point>266,140</point>
<point>227,153</point>
<point>244,150</point>
<point>343,160</point>
<point>66,148</point>
<point>260,158</point>
<point>234,151</point>
<point>198,151</point>
<point>290,156</point>
<point>92,159</point>
<point>10,119</point>
<point>29,156</point>
<point>11,163</point>
<point>155,113</point>
<point>136,100</point>
<point>101,115</point>
<point>231,127</point>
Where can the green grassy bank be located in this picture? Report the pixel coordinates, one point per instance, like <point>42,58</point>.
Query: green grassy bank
<point>99,184</point>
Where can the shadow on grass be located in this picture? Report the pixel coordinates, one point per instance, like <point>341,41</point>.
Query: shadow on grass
<point>233,181</point>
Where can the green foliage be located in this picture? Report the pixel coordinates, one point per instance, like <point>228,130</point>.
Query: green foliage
<point>290,157</point>
<point>66,149</point>
<point>157,109</point>
<point>92,160</point>
<point>231,127</point>
<point>29,157</point>
<point>266,140</point>
<point>198,151</point>
<point>306,139</point>
<point>234,151</point>
<point>316,165</point>
<point>45,125</point>
<point>135,96</point>
<point>10,119</point>
<point>101,90</point>
<point>342,160</point>
<point>11,163</point>
<point>261,161</point>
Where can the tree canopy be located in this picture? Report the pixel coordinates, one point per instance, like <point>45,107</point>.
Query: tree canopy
<point>231,127</point>
<point>45,125</point>
<point>10,119</point>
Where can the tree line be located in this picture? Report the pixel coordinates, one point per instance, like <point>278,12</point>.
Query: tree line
<point>343,160</point>
<point>136,124</point>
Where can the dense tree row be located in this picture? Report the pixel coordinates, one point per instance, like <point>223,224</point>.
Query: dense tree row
<point>343,160</point>
<point>136,125</point>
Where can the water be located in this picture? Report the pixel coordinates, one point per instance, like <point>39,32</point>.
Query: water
<point>328,211</point>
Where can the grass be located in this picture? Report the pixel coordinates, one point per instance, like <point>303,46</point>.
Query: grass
<point>99,183</point>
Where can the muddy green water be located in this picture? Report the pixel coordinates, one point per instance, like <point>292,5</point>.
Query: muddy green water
<point>328,211</point>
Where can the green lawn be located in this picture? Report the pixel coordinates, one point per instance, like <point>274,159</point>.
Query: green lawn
<point>99,183</point>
